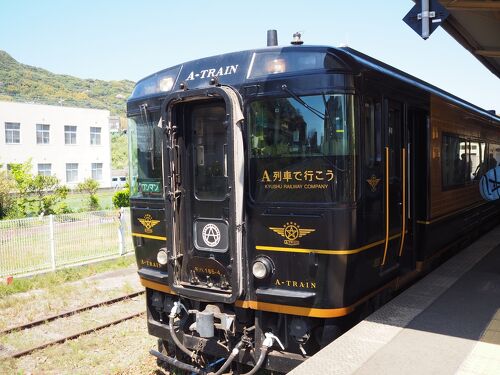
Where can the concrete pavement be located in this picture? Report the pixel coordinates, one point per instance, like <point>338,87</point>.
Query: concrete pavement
<point>447,323</point>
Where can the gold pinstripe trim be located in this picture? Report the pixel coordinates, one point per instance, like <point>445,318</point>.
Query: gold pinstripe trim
<point>386,204</point>
<point>272,307</point>
<point>326,252</point>
<point>311,311</point>
<point>156,286</point>
<point>428,222</point>
<point>403,229</point>
<point>295,310</point>
<point>288,309</point>
<point>149,236</point>
<point>425,222</point>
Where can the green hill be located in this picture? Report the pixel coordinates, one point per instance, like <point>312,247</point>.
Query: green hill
<point>24,83</point>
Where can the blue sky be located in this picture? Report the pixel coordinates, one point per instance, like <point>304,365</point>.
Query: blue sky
<point>124,39</point>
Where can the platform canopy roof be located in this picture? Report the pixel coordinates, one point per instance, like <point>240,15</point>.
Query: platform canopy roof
<point>475,24</point>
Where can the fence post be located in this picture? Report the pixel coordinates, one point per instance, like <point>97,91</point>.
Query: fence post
<point>52,242</point>
<point>121,240</point>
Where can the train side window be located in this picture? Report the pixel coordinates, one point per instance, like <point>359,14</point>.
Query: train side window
<point>145,156</point>
<point>494,155</point>
<point>456,165</point>
<point>466,164</point>
<point>475,159</point>
<point>486,158</point>
<point>394,121</point>
<point>373,137</point>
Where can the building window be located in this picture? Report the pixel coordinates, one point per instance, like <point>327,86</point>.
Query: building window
<point>97,171</point>
<point>12,132</point>
<point>44,169</point>
<point>42,133</point>
<point>70,135</point>
<point>71,172</point>
<point>95,136</point>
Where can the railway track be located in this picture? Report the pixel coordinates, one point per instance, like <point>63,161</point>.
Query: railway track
<point>66,314</point>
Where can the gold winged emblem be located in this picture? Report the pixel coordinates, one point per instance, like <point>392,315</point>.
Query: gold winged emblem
<point>148,223</point>
<point>373,182</point>
<point>291,232</point>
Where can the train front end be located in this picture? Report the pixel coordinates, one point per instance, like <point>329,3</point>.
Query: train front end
<point>243,178</point>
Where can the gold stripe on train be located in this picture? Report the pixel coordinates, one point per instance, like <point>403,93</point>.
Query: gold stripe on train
<point>428,222</point>
<point>156,286</point>
<point>403,229</point>
<point>386,204</point>
<point>324,251</point>
<point>149,236</point>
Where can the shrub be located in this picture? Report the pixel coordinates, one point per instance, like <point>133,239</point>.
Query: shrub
<point>63,208</point>
<point>121,198</point>
<point>90,187</point>
<point>94,203</point>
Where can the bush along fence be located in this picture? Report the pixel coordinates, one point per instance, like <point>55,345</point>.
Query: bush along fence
<point>41,244</point>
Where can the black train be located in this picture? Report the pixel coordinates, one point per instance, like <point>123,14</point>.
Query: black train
<point>280,194</point>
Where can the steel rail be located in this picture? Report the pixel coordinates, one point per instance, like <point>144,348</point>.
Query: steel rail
<point>68,313</point>
<point>22,353</point>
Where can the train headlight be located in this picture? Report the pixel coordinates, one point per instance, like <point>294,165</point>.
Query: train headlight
<point>276,66</point>
<point>162,257</point>
<point>166,83</point>
<point>262,267</point>
<point>154,84</point>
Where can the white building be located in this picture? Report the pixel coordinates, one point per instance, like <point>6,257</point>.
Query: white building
<point>71,143</point>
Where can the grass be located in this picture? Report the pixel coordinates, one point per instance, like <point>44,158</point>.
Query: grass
<point>23,339</point>
<point>55,279</point>
<point>101,352</point>
<point>78,201</point>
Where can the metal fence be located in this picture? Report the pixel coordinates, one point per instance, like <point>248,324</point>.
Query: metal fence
<point>36,245</point>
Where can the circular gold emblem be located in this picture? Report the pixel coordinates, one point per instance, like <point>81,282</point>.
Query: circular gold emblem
<point>291,231</point>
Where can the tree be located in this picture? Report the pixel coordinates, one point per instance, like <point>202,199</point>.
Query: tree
<point>7,189</point>
<point>90,186</point>
<point>37,194</point>
<point>119,151</point>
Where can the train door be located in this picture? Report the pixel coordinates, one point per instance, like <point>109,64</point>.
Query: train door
<point>395,184</point>
<point>205,154</point>
<point>418,127</point>
<point>373,168</point>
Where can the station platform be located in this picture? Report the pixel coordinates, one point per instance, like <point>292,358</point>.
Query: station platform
<point>447,323</point>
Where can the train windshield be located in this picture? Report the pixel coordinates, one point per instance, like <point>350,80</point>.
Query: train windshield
<point>302,149</point>
<point>145,156</point>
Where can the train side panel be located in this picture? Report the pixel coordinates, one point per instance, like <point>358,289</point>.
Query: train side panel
<point>454,204</point>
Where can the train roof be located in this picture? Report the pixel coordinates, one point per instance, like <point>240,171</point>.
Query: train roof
<point>238,68</point>
<point>386,69</point>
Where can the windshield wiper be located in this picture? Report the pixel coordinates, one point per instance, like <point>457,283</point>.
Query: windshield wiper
<point>327,115</point>
<point>297,98</point>
<point>312,109</point>
<point>317,113</point>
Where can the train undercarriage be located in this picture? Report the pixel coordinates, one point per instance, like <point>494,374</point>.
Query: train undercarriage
<point>199,337</point>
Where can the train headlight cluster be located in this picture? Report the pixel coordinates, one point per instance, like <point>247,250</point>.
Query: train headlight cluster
<point>159,82</point>
<point>276,66</point>
<point>166,83</point>
<point>262,267</point>
<point>162,257</point>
